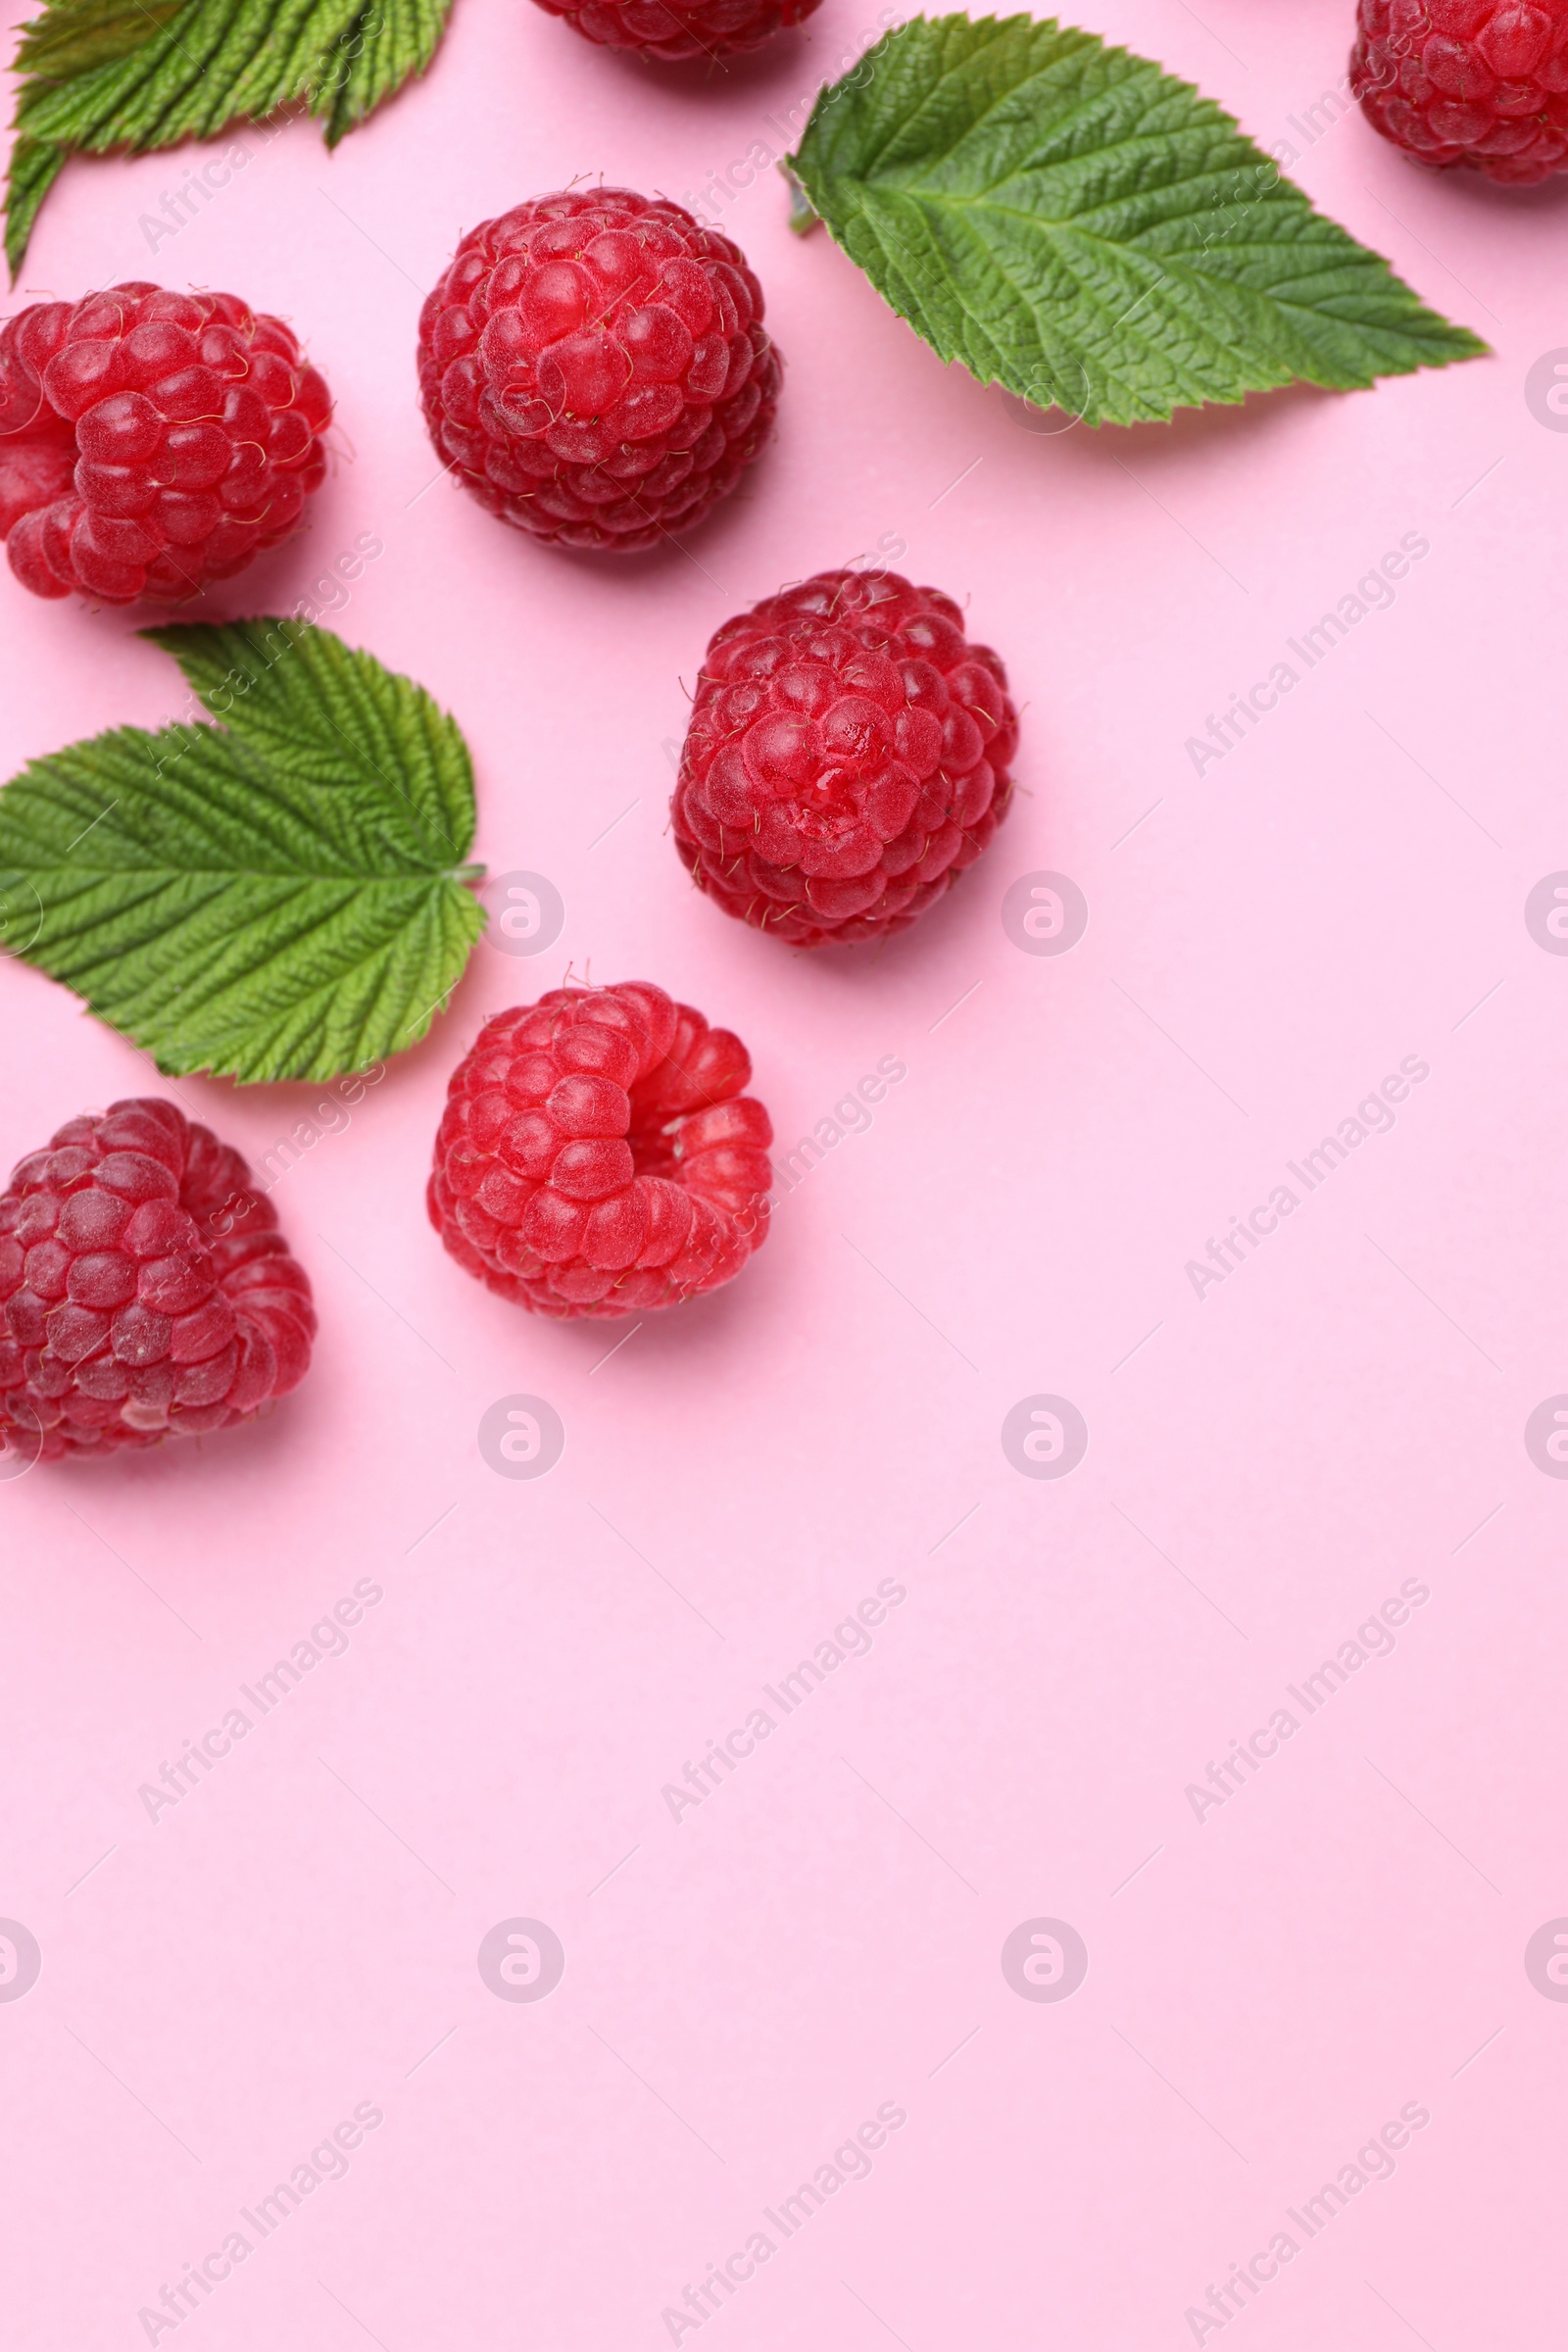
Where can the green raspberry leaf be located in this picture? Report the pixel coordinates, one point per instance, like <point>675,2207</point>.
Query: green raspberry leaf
<point>279,895</point>
<point>1074,223</point>
<point>99,75</point>
<point>381,49</point>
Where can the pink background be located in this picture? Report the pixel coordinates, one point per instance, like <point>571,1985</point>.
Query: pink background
<point>1266,1465</point>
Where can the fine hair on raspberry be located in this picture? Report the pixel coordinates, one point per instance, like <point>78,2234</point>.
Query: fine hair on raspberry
<point>668,31</point>
<point>145,1290</point>
<point>1482,83</point>
<point>595,369</point>
<point>152,442</point>
<point>849,754</point>
<point>599,1155</point>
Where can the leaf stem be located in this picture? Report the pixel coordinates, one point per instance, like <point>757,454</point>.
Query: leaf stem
<point>804,216</point>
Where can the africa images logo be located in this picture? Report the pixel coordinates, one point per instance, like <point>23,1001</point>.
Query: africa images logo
<point>521,1960</point>
<point>527,913</point>
<point>1546,1959</point>
<point>1045,913</point>
<point>1044,1437</point>
<point>1547,1437</point>
<point>20,1960</point>
<point>1045,1960</point>
<point>521,1437</point>
<point>1547,391</point>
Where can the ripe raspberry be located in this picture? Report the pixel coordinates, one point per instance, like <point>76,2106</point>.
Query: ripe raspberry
<point>597,1155</point>
<point>595,368</point>
<point>1481,82</point>
<point>152,442</point>
<point>685,28</point>
<point>144,1288</point>
<point>847,758</point>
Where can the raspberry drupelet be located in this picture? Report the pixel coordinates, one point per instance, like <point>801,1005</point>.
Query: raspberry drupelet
<point>847,757</point>
<point>1476,82</point>
<point>595,369</point>
<point>152,442</point>
<point>666,31</point>
<point>145,1290</point>
<point>599,1155</point>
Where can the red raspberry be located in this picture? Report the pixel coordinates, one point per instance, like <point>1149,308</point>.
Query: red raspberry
<point>144,1288</point>
<point>686,29</point>
<point>597,1155</point>
<point>847,758</point>
<point>1481,82</point>
<point>151,442</point>
<point>595,368</point>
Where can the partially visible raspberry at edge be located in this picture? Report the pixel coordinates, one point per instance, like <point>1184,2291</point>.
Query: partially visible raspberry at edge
<point>1478,82</point>
<point>595,369</point>
<point>847,757</point>
<point>152,442</point>
<point>145,1290</point>
<point>666,31</point>
<point>599,1155</point>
